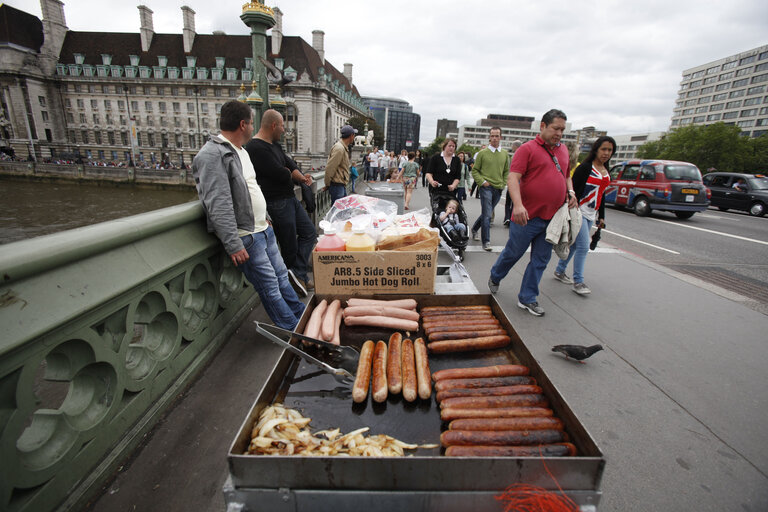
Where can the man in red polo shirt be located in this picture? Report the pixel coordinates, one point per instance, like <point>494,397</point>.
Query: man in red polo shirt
<point>538,184</point>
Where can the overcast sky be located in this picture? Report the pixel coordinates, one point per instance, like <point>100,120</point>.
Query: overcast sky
<point>615,65</point>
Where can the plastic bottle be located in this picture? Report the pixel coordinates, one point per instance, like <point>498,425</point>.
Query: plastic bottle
<point>330,241</point>
<point>360,241</point>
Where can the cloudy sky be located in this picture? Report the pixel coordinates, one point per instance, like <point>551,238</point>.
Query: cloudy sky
<point>612,64</point>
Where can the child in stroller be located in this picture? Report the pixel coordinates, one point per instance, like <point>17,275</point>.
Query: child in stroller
<point>449,217</point>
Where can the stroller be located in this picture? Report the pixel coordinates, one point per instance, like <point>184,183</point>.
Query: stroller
<point>455,240</point>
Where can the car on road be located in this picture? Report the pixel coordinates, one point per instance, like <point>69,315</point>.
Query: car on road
<point>665,185</point>
<point>738,191</point>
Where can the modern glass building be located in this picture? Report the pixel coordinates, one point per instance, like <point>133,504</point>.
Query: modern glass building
<point>401,124</point>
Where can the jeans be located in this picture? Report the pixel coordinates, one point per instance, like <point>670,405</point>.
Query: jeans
<point>578,252</point>
<point>373,174</point>
<point>295,234</point>
<point>461,194</point>
<point>520,237</point>
<point>337,191</point>
<point>382,174</point>
<point>489,198</point>
<point>266,271</point>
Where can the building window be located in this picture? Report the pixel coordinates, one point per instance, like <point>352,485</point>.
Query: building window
<point>82,118</point>
<point>707,90</point>
<point>151,139</point>
<point>191,140</point>
<point>134,60</point>
<point>687,111</point>
<point>177,122</point>
<point>739,83</point>
<point>124,138</point>
<point>203,91</point>
<point>220,62</point>
<point>704,99</point>
<point>191,61</point>
<point>41,100</point>
<point>96,119</point>
<point>729,65</point>
<point>713,108</point>
<point>217,92</point>
<point>44,115</point>
<point>70,118</point>
<point>148,106</point>
<point>730,115</point>
<point>748,113</point>
<point>190,122</point>
<point>174,91</point>
<point>752,101</point>
<point>109,118</point>
<point>176,107</point>
<point>186,73</point>
<point>232,75</point>
<point>747,60</point>
<point>205,122</point>
<point>190,108</point>
<point>737,94</point>
<point>718,97</point>
<point>97,136</point>
<point>760,78</point>
<point>698,119</point>
<point>94,104</point>
<point>233,93</point>
<point>713,117</point>
<point>161,107</point>
<point>745,124</point>
<point>733,104</point>
<point>160,90</point>
<point>726,76</point>
<point>179,141</point>
<point>702,110</point>
<point>204,108</point>
<point>121,105</point>
<point>135,106</point>
<point>762,122</point>
<point>761,67</point>
<point>162,61</point>
<point>722,87</point>
<point>756,90</point>
<point>84,136</point>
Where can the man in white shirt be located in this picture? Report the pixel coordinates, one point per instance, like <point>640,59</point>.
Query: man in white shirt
<point>236,212</point>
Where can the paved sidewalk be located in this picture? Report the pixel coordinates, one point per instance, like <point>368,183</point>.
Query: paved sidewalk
<point>676,401</point>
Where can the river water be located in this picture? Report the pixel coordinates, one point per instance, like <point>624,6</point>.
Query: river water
<point>30,209</point>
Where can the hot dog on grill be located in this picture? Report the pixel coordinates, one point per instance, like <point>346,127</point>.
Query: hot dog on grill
<point>388,311</point>
<point>497,391</point>
<point>531,423</point>
<point>438,319</point>
<point>423,376</point>
<point>379,382</point>
<point>542,450</point>
<point>457,335</point>
<point>409,371</point>
<point>363,377</point>
<point>394,364</point>
<point>501,437</point>
<point>468,344</point>
<point>396,324</point>
<point>398,303</point>
<point>337,329</point>
<point>453,309</point>
<point>459,325</point>
<point>454,413</point>
<point>483,382</point>
<point>329,319</point>
<point>312,329</point>
<point>503,370</point>
<point>486,402</point>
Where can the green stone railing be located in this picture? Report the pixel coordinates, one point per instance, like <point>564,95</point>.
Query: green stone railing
<point>102,327</point>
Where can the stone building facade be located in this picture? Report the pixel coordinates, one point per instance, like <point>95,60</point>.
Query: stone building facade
<point>153,97</point>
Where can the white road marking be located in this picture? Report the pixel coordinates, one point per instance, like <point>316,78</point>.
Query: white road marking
<point>641,242</point>
<point>711,231</point>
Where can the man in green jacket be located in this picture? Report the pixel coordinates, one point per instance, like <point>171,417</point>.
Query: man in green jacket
<point>490,173</point>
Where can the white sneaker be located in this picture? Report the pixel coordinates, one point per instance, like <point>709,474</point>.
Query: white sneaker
<point>581,288</point>
<point>563,277</point>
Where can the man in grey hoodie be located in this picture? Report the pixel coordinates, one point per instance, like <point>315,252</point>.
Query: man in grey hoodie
<point>236,212</point>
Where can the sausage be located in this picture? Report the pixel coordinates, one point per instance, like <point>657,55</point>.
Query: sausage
<point>396,324</point>
<point>453,309</point>
<point>409,371</point>
<point>483,382</point>
<point>394,364</point>
<point>482,402</point>
<point>398,303</point>
<point>457,335</point>
<point>329,318</point>
<point>501,437</point>
<point>423,376</point>
<point>497,391</point>
<point>437,319</point>
<point>379,381</point>
<point>534,423</point>
<point>502,370</point>
<point>469,344</point>
<point>460,325</point>
<point>454,413</point>
<point>336,340</point>
<point>316,320</point>
<point>363,377</point>
<point>393,312</point>
<point>542,450</point>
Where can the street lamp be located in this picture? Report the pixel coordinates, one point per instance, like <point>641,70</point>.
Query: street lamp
<point>197,108</point>
<point>131,127</point>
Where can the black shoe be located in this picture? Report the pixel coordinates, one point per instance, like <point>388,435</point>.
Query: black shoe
<point>297,284</point>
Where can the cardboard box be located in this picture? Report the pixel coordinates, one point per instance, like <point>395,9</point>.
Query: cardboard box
<point>374,272</point>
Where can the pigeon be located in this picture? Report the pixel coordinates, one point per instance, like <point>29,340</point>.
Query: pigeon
<point>577,352</point>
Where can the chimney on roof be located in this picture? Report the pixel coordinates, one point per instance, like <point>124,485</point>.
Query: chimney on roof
<point>54,32</point>
<point>317,43</point>
<point>147,29</point>
<point>188,15</point>
<point>277,31</point>
<point>348,71</point>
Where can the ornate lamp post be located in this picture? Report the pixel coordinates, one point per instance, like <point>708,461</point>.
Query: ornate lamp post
<point>259,18</point>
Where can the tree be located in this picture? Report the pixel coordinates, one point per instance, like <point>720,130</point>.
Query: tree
<point>435,147</point>
<point>358,123</point>
<point>466,148</point>
<point>714,146</point>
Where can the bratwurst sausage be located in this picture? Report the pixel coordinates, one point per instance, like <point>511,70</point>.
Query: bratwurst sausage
<point>501,437</point>
<point>485,402</point>
<point>469,344</point>
<point>482,382</point>
<point>454,413</point>
<point>534,423</point>
<point>423,377</point>
<point>542,450</point>
<point>379,382</point>
<point>497,391</point>
<point>409,371</point>
<point>394,364</point>
<point>502,370</point>
<point>363,377</point>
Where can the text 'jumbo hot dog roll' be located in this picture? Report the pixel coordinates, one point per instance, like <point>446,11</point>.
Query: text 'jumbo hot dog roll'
<point>501,370</point>
<point>394,363</point>
<point>379,382</point>
<point>468,344</point>
<point>455,413</point>
<point>396,324</point>
<point>522,389</point>
<point>423,376</point>
<point>542,450</point>
<point>530,423</point>
<point>483,382</point>
<point>363,377</point>
<point>485,402</point>
<point>409,371</point>
<point>501,437</point>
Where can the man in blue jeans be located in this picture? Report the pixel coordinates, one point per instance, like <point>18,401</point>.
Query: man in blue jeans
<point>337,167</point>
<point>236,212</point>
<point>538,186</point>
<point>490,173</point>
<point>277,174</point>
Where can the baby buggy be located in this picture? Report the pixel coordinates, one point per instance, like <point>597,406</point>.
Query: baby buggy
<point>456,239</point>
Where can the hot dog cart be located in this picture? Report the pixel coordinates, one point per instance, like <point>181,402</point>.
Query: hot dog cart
<point>424,479</point>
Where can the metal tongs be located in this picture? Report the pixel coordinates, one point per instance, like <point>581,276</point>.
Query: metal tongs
<point>342,359</point>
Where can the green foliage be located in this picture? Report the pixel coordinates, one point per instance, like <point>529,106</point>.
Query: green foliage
<point>466,148</point>
<point>358,123</point>
<point>712,147</point>
<point>434,148</point>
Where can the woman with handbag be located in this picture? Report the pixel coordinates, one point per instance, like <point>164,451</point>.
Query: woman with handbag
<point>590,179</point>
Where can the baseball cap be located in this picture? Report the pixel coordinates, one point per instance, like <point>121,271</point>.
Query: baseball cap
<point>346,131</point>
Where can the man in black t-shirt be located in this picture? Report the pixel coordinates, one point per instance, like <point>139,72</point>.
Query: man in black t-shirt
<point>277,174</point>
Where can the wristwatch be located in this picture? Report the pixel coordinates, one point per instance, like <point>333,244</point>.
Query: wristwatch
<point>572,192</point>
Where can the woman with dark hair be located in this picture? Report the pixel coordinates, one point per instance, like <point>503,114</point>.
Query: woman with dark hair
<point>590,179</point>
<point>444,170</point>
